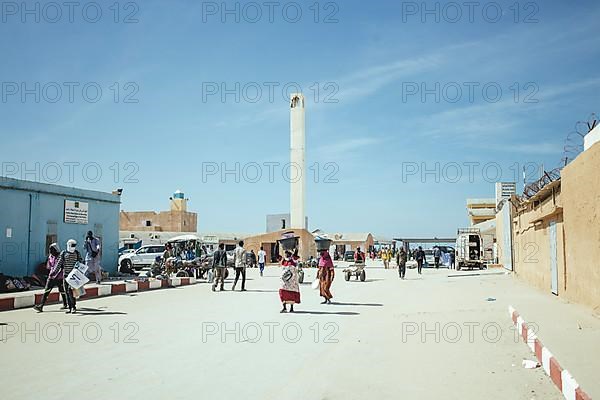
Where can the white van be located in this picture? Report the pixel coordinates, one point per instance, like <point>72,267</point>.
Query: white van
<point>469,249</point>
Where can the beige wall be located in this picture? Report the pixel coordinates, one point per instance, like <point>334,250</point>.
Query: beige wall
<point>167,221</point>
<point>575,204</point>
<point>364,245</point>
<point>504,255</point>
<point>531,241</point>
<point>581,196</point>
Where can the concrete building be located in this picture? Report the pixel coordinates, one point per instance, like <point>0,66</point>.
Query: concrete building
<point>34,215</point>
<point>351,241</point>
<point>297,162</point>
<point>178,219</point>
<point>555,235</point>
<point>504,190</point>
<point>481,210</point>
<point>269,241</point>
<point>487,230</point>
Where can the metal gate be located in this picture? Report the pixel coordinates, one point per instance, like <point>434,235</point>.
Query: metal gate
<point>553,258</point>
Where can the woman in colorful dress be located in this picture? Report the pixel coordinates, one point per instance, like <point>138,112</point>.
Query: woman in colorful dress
<point>289,293</point>
<point>326,274</point>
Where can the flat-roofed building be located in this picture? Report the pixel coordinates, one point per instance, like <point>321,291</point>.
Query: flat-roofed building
<point>177,219</point>
<point>481,210</point>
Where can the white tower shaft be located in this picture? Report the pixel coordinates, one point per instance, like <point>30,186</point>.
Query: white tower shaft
<point>297,170</point>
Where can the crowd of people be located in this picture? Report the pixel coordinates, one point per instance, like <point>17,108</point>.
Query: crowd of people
<point>60,264</point>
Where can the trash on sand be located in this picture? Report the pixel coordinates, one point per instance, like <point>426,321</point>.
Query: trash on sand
<point>529,364</point>
<point>490,299</point>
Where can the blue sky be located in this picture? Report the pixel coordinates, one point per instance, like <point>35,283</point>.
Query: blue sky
<point>369,61</point>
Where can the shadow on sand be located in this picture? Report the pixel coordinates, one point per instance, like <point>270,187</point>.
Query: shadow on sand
<point>97,311</point>
<point>325,313</point>
<point>335,303</point>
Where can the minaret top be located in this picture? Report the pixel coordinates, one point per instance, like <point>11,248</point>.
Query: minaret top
<point>297,100</point>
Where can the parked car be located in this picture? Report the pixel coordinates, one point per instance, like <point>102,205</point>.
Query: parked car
<point>429,257</point>
<point>349,256</point>
<point>142,257</point>
<point>126,251</point>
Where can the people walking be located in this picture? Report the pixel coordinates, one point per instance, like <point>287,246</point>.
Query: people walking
<point>420,257</point>
<point>252,259</point>
<point>437,253</point>
<point>92,255</point>
<point>401,259</point>
<point>55,279</point>
<point>66,262</point>
<point>262,258</point>
<point>452,259</point>
<point>219,267</point>
<point>239,263</point>
<point>289,293</point>
<point>326,274</point>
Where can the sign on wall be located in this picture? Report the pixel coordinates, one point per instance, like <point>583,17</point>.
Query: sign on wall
<point>76,212</point>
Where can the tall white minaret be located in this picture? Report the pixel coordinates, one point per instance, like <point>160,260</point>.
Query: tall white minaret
<point>297,169</point>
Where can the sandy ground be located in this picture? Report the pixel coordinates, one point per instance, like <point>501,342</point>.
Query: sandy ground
<point>428,337</point>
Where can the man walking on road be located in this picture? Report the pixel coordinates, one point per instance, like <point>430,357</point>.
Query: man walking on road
<point>66,262</point>
<point>220,266</point>
<point>55,278</point>
<point>437,253</point>
<point>92,255</point>
<point>239,263</point>
<point>401,261</point>
<point>262,258</point>
<point>420,257</point>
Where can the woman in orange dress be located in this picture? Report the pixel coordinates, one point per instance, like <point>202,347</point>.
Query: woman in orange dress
<point>326,274</point>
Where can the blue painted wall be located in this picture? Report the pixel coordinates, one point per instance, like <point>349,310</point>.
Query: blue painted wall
<point>20,254</point>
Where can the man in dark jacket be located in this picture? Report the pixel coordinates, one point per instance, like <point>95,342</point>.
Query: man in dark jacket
<point>401,261</point>
<point>219,266</point>
<point>420,257</point>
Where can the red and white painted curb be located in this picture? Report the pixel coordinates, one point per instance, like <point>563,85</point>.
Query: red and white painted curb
<point>561,377</point>
<point>30,298</point>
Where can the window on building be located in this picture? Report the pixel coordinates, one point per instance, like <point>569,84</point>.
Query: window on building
<point>51,234</point>
<point>148,223</point>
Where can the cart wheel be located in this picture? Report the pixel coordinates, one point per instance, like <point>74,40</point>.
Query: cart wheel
<point>363,276</point>
<point>301,277</point>
<point>347,275</point>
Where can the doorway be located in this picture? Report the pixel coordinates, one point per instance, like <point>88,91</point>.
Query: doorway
<point>553,258</point>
